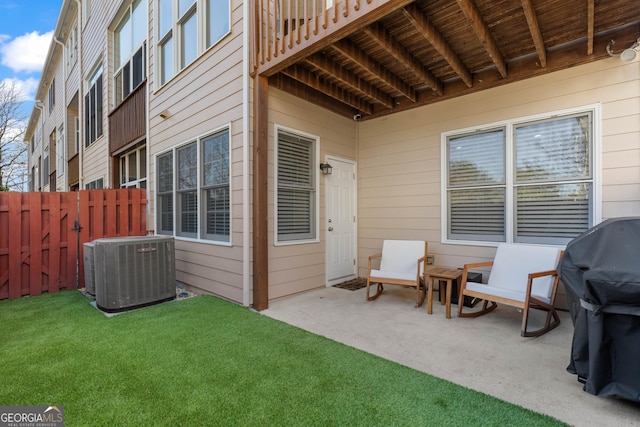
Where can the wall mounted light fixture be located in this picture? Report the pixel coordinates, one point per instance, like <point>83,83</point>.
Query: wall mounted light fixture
<point>626,55</point>
<point>326,168</point>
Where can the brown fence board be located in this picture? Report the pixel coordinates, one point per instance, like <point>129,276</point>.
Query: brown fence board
<point>96,229</point>
<point>4,247</point>
<point>15,244</point>
<point>111,217</point>
<point>54,236</point>
<point>35,243</point>
<point>41,235</point>
<point>69,234</point>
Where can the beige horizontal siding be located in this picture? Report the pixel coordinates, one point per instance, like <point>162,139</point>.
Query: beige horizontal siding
<point>301,267</point>
<point>200,99</point>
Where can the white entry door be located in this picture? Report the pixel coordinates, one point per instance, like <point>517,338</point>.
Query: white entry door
<point>340,221</point>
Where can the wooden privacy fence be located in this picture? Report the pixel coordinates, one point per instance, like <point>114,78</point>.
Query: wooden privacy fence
<point>42,235</point>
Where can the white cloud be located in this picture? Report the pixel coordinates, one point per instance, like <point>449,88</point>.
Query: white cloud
<point>25,53</point>
<point>26,88</point>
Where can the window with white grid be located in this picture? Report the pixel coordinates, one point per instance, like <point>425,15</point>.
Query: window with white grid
<point>193,189</point>
<point>186,29</point>
<point>525,181</point>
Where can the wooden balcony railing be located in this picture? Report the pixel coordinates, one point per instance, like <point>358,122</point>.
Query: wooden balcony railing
<point>127,122</point>
<point>287,30</point>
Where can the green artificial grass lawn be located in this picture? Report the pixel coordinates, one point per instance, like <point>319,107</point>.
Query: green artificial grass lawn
<point>206,362</point>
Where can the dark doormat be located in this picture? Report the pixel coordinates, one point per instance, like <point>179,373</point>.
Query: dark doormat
<point>353,284</point>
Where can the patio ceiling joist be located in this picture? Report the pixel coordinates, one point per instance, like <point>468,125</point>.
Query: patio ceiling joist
<point>387,42</point>
<point>433,36</point>
<point>591,11</point>
<point>347,78</point>
<point>476,22</point>
<point>534,28</point>
<point>304,76</point>
<point>366,63</point>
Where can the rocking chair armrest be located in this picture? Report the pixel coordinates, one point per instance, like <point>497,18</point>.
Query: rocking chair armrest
<point>537,275</point>
<point>543,274</point>
<point>422,260</point>
<point>465,271</point>
<point>478,265</point>
<point>371,258</point>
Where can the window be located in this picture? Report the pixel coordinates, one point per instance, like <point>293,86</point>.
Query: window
<point>524,181</point>
<point>165,194</point>
<point>133,168</point>
<point>71,52</point>
<point>93,108</point>
<point>97,184</point>
<point>45,167</point>
<point>130,55</point>
<point>196,177</point>
<point>52,95</point>
<point>77,133</point>
<point>186,29</point>
<point>60,151</point>
<point>296,204</point>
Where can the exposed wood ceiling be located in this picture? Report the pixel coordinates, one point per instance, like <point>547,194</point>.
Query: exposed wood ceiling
<point>432,50</point>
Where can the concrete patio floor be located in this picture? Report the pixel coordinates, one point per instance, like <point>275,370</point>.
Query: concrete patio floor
<point>486,354</point>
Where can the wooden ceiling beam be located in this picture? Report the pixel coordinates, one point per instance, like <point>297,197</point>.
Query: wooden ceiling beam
<point>437,40</point>
<point>569,55</point>
<point>534,29</point>
<point>299,90</point>
<point>591,17</point>
<point>483,33</point>
<point>307,78</point>
<point>364,61</point>
<point>351,80</point>
<point>387,42</point>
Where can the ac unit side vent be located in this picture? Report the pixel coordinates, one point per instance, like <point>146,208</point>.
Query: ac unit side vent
<point>133,272</point>
<point>89,269</point>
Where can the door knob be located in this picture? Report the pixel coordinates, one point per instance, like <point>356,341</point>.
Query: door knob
<point>330,228</point>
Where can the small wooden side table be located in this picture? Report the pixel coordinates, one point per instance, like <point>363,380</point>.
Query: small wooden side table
<point>445,274</point>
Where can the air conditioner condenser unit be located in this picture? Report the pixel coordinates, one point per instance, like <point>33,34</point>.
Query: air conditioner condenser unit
<point>132,272</point>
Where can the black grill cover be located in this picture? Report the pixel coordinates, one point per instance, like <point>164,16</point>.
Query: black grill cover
<point>601,273</point>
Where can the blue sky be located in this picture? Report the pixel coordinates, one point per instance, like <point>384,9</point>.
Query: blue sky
<point>25,34</point>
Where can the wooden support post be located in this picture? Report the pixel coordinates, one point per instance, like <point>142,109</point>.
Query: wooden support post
<point>260,164</point>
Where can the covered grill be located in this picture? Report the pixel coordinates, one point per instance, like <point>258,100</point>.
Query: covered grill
<point>601,273</point>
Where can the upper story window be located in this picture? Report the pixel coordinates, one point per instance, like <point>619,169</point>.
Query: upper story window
<point>45,167</point>
<point>296,188</point>
<point>194,189</point>
<point>523,181</point>
<point>93,108</point>
<point>186,28</point>
<point>71,52</point>
<point>130,62</point>
<point>60,150</point>
<point>52,95</point>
